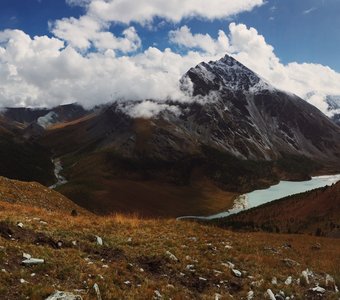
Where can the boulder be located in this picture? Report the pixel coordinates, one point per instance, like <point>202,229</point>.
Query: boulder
<point>58,295</point>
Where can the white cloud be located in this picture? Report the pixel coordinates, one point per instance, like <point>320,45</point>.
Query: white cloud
<point>147,109</point>
<point>205,42</point>
<point>87,32</point>
<point>308,11</point>
<point>41,71</point>
<point>45,71</point>
<point>78,2</point>
<point>143,11</point>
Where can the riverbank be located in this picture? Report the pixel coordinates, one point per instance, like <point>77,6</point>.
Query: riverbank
<point>275,192</point>
<point>316,212</point>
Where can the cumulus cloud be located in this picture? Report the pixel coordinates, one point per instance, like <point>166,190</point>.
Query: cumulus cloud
<point>42,71</point>
<point>127,11</point>
<point>86,32</point>
<point>205,42</point>
<point>84,62</point>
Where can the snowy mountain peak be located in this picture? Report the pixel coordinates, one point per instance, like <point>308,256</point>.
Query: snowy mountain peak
<point>224,74</point>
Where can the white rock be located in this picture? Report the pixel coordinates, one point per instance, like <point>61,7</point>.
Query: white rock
<point>304,275</point>
<point>99,240</point>
<point>218,296</point>
<point>33,261</point>
<point>229,265</point>
<point>271,294</point>
<point>74,243</point>
<point>257,283</point>
<point>33,274</point>
<point>190,268</point>
<point>171,256</point>
<point>127,282</point>
<point>237,273</point>
<point>217,273</point>
<point>202,279</point>
<point>26,255</point>
<point>105,266</point>
<point>250,295</point>
<point>319,289</point>
<point>20,225</point>
<point>274,281</point>
<point>58,295</point>
<point>329,280</point>
<point>23,281</point>
<point>158,294</point>
<point>289,280</point>
<point>96,289</point>
<point>43,223</point>
<point>129,240</point>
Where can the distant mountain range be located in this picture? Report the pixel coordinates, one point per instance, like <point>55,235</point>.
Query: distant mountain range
<point>238,133</point>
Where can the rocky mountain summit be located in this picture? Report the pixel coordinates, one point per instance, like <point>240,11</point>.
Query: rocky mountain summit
<point>251,119</point>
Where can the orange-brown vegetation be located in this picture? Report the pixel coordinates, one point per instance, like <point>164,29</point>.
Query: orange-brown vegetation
<point>133,262</point>
<point>314,212</point>
<point>35,195</point>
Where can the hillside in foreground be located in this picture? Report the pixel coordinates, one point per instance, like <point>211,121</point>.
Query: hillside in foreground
<point>313,212</point>
<point>156,259</point>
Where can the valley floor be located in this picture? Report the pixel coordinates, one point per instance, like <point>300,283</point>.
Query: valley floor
<point>157,259</point>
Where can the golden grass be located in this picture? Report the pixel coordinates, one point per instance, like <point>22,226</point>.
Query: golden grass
<point>131,243</point>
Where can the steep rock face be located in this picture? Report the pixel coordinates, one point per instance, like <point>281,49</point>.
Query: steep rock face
<point>246,116</point>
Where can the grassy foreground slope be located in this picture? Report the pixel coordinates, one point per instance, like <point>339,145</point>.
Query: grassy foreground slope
<point>156,259</point>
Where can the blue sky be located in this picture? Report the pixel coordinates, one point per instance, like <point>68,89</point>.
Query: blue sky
<point>302,31</point>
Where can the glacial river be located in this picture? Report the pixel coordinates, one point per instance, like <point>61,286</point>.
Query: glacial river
<point>278,191</point>
<point>58,168</point>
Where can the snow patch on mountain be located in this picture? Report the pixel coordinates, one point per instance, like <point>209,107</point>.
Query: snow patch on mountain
<point>48,119</point>
<point>328,104</point>
<point>227,74</point>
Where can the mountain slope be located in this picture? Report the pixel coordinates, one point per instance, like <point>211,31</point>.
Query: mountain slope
<point>21,159</point>
<point>35,195</point>
<point>237,133</point>
<point>44,116</point>
<point>314,212</point>
<point>252,119</point>
<point>154,259</point>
